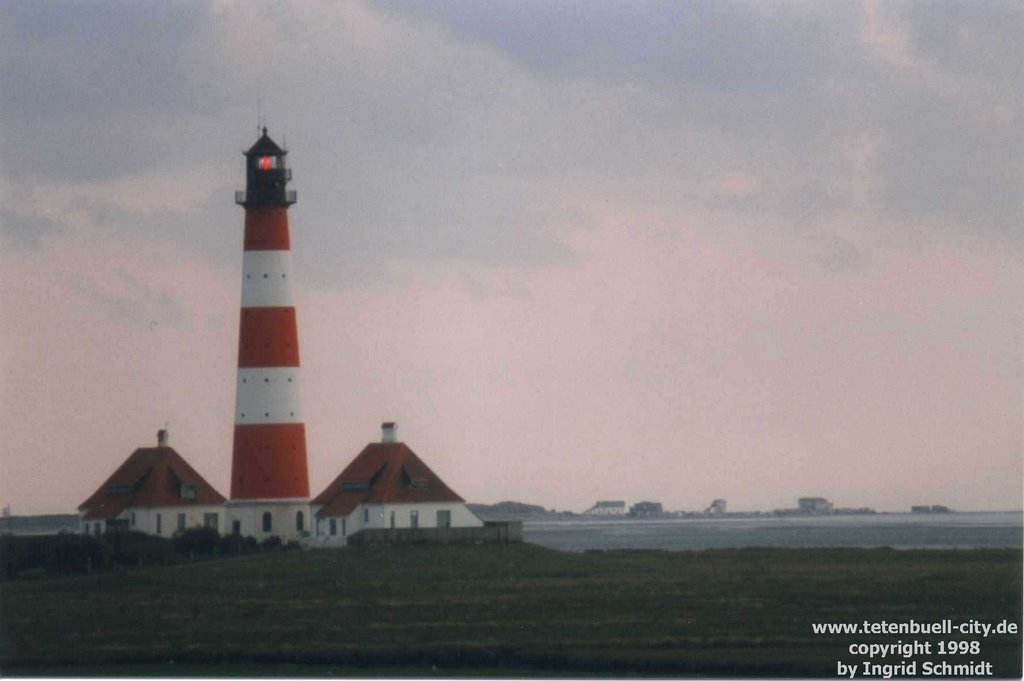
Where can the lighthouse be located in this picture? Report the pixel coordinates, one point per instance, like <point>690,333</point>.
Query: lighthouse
<point>269,479</point>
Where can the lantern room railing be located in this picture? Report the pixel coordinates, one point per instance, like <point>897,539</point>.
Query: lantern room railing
<point>242,197</point>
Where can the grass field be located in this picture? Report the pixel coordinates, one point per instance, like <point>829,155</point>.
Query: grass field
<point>500,610</point>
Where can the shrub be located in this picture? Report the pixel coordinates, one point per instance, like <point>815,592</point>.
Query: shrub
<point>202,541</point>
<point>53,555</point>
<point>233,544</point>
<point>130,548</point>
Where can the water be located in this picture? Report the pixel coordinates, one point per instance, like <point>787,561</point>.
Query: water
<point>898,530</point>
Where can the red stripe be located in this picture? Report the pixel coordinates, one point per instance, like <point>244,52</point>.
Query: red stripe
<point>267,337</point>
<point>266,229</point>
<point>269,462</point>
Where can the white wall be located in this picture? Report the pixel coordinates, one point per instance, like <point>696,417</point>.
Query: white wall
<point>378,516</point>
<point>194,516</point>
<point>89,526</point>
<point>249,514</point>
<point>145,519</point>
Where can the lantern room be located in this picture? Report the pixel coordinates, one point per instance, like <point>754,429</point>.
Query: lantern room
<point>266,176</point>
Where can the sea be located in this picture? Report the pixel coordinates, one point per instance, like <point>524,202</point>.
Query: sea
<point>895,530</point>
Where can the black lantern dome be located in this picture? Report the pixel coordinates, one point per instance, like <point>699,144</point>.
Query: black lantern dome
<point>266,176</point>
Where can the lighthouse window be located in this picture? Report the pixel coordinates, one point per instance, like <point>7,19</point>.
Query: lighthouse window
<point>267,162</point>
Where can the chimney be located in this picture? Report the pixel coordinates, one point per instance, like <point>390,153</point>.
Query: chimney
<point>163,438</point>
<point>388,431</point>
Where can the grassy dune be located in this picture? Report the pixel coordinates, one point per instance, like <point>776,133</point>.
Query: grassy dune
<point>493,610</point>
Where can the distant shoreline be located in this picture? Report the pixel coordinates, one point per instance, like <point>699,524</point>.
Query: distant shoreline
<point>54,523</point>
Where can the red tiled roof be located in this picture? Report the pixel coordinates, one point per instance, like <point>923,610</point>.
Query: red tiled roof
<point>383,473</point>
<point>150,477</point>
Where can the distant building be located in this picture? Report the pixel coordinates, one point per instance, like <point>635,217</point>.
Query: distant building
<point>387,487</point>
<point>930,509</point>
<point>814,505</point>
<point>717,507</point>
<point>154,491</point>
<point>607,508</point>
<point>645,509</point>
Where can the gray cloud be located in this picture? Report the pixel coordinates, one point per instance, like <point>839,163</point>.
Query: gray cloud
<point>482,133</point>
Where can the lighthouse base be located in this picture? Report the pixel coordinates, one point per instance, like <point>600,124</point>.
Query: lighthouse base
<point>286,519</point>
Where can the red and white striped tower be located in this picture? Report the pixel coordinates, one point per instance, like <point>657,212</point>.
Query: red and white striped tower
<point>269,479</point>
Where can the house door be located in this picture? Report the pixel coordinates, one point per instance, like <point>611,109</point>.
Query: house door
<point>236,527</point>
<point>444,518</point>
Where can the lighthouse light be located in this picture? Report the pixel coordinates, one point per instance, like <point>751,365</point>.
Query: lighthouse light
<point>266,163</point>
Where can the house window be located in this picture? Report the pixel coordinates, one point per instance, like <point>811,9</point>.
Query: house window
<point>392,520</point>
<point>97,528</point>
<point>133,518</point>
<point>414,518</point>
<point>188,492</point>
<point>334,526</point>
<point>300,521</point>
<point>344,526</point>
<point>181,521</point>
<point>366,515</point>
<point>211,520</point>
<point>444,518</point>
<point>418,483</point>
<point>236,527</point>
<point>268,523</point>
<point>159,524</point>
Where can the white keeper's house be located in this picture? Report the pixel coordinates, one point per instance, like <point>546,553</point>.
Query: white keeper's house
<point>387,486</point>
<point>154,491</point>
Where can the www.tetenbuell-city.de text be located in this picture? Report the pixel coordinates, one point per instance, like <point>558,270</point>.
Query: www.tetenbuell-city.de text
<point>956,649</point>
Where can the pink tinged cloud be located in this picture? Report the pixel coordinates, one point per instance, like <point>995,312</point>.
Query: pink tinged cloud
<point>661,364</point>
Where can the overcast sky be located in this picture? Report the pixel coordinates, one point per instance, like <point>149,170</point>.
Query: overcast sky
<point>577,250</point>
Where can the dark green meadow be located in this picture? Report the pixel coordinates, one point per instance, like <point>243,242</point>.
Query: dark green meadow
<point>497,610</point>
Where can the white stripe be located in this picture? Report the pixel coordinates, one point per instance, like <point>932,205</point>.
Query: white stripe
<point>266,279</point>
<point>268,395</point>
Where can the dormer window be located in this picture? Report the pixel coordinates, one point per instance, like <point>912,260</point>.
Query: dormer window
<point>355,484</point>
<point>188,491</point>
